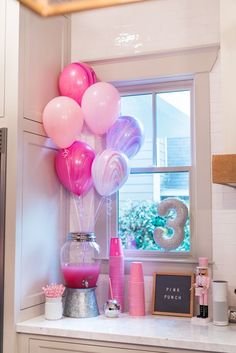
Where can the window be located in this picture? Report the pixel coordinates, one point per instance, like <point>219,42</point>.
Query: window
<point>162,168</point>
<point>176,72</point>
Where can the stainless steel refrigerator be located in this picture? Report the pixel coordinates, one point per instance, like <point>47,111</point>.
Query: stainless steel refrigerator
<point>3,161</point>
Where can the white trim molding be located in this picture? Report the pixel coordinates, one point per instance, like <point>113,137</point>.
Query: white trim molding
<point>193,64</point>
<point>154,67</point>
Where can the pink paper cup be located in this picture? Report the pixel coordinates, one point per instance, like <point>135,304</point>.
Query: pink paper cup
<point>136,272</point>
<point>136,299</point>
<point>137,310</point>
<point>136,307</point>
<point>117,281</point>
<point>116,247</point>
<point>116,266</point>
<point>136,290</point>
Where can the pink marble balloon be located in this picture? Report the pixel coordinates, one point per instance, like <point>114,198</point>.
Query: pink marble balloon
<point>126,135</point>
<point>110,171</point>
<point>73,166</point>
<point>75,79</point>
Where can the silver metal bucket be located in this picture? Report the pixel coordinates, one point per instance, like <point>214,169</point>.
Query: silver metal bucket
<point>80,303</point>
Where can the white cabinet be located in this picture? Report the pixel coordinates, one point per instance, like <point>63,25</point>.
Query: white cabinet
<point>50,344</point>
<point>2,54</point>
<point>46,47</point>
<point>44,202</point>
<point>44,219</point>
<point>33,51</point>
<point>44,51</point>
<point>43,346</point>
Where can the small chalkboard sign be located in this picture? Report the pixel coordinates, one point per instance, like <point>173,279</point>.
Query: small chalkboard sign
<point>172,294</point>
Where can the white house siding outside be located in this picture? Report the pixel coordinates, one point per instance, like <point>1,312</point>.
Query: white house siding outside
<point>171,151</point>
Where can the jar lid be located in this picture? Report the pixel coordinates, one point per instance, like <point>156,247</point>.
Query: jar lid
<point>82,236</point>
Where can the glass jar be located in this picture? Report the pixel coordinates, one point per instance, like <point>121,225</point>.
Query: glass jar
<point>79,260</point>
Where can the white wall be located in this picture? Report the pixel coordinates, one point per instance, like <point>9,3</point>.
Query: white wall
<point>169,25</point>
<point>223,132</point>
<point>144,28</point>
<point>228,73</point>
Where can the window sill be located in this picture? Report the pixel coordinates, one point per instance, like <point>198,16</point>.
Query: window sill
<point>160,260</point>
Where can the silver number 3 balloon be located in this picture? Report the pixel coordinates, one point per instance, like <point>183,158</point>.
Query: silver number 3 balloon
<point>177,224</point>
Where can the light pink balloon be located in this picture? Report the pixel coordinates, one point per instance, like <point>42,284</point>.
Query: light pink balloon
<point>110,171</point>
<point>63,120</point>
<point>101,107</point>
<point>73,166</point>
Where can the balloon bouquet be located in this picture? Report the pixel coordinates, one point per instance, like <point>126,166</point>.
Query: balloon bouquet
<point>83,99</point>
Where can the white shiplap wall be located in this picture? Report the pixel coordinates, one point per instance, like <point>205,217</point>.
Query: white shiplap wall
<point>144,28</point>
<point>223,197</point>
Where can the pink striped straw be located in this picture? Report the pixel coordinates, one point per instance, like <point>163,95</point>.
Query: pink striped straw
<point>111,291</point>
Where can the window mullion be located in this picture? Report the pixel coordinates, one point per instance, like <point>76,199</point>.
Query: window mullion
<point>146,170</point>
<point>154,133</point>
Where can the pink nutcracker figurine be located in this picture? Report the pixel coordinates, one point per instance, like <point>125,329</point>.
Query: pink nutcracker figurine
<point>202,285</point>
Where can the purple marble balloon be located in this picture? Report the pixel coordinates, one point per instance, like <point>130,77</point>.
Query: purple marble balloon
<point>126,136</point>
<point>110,171</point>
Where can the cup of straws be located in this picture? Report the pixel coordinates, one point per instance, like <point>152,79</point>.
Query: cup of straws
<point>53,301</point>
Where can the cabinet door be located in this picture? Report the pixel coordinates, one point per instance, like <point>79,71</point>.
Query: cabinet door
<point>40,346</point>
<point>2,54</point>
<point>45,51</point>
<point>58,345</point>
<point>44,219</point>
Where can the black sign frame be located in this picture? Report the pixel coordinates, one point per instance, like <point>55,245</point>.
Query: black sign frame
<point>173,294</point>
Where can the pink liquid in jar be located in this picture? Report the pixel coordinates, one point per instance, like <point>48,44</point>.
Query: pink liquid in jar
<point>75,275</point>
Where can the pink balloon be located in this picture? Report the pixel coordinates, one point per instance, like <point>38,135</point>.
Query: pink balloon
<point>110,171</point>
<point>101,107</point>
<point>63,121</point>
<point>75,79</point>
<point>73,167</point>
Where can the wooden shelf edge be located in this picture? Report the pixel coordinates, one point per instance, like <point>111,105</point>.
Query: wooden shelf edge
<point>224,169</point>
<point>45,8</point>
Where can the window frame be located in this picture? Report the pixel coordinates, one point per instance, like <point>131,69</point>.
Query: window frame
<point>150,88</point>
<point>191,64</point>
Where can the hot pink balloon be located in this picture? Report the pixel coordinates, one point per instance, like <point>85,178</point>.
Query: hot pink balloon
<point>75,79</point>
<point>63,120</point>
<point>101,107</point>
<point>73,167</point>
<point>110,171</point>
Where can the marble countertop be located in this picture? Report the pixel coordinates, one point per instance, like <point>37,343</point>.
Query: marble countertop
<point>151,330</point>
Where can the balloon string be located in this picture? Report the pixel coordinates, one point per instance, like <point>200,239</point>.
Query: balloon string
<point>109,211</point>
<point>90,213</point>
<point>73,196</point>
<point>111,291</point>
<point>80,207</point>
<point>97,211</point>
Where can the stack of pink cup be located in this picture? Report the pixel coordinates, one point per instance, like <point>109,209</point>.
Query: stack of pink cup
<point>136,290</point>
<point>116,271</point>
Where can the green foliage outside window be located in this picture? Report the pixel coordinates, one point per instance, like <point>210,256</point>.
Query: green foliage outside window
<point>138,222</point>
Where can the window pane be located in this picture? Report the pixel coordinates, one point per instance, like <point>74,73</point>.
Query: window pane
<point>173,129</point>
<point>140,107</point>
<point>138,200</point>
